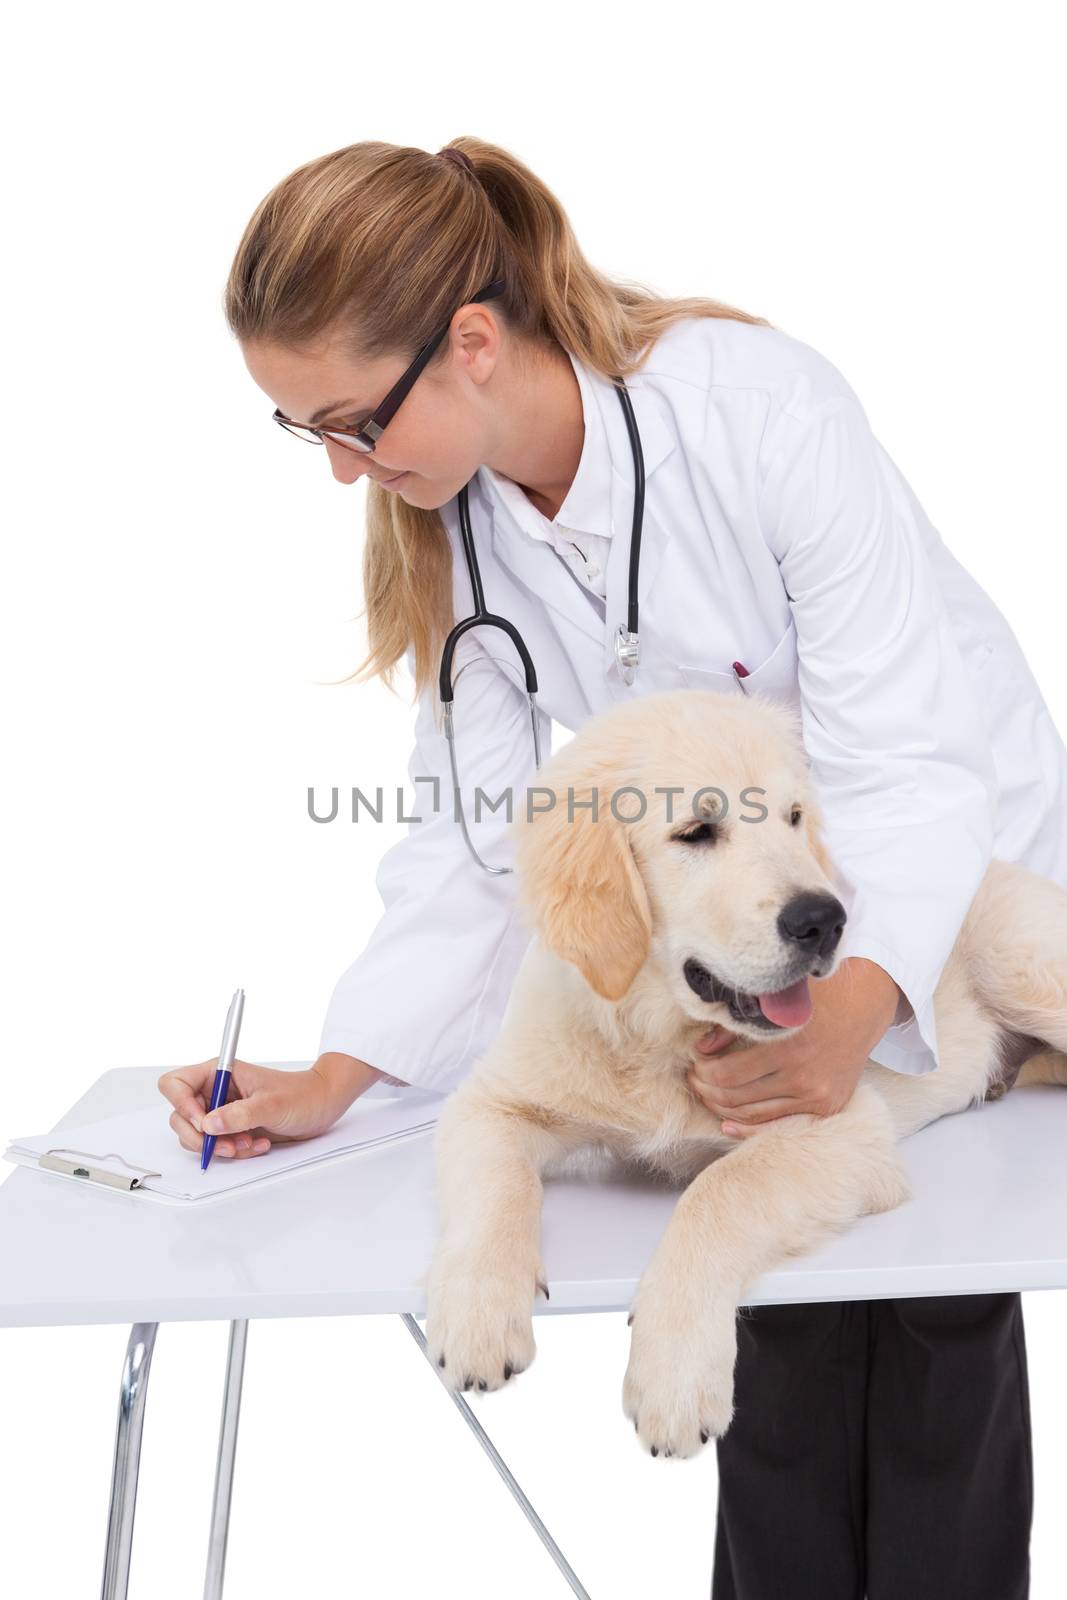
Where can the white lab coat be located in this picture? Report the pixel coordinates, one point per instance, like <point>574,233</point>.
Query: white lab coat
<point>777,533</point>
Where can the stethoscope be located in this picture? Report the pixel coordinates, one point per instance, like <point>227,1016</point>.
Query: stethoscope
<point>626,640</point>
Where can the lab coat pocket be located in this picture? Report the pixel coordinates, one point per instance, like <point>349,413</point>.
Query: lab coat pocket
<point>775,676</point>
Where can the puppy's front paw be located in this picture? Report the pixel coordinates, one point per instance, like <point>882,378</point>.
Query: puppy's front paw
<point>679,1384</point>
<point>479,1325</point>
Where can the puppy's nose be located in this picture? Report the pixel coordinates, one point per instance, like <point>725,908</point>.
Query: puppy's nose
<point>814,921</point>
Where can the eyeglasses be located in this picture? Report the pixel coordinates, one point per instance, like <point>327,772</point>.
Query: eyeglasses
<point>363,436</point>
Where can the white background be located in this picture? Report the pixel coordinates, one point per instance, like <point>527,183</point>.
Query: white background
<point>883,182</point>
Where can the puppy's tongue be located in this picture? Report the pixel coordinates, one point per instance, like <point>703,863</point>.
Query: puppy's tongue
<point>788,1007</point>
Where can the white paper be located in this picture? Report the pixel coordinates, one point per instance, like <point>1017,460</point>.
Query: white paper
<point>147,1141</point>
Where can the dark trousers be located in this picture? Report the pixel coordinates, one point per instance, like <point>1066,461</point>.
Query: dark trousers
<point>879,1448</point>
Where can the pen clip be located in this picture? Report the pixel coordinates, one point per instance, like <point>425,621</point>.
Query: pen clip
<point>231,1031</point>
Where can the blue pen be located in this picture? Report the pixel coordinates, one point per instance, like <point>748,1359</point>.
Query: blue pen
<point>222,1072</point>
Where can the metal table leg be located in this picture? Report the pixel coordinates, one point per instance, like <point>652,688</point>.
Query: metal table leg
<point>494,1455</point>
<point>127,1460</point>
<point>220,1510</point>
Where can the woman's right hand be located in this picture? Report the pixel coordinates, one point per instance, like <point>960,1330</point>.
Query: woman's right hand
<point>264,1106</point>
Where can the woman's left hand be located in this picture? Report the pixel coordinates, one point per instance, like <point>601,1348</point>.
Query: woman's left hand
<point>815,1070</point>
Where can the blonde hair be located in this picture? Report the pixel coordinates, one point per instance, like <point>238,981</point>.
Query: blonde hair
<point>384,243</point>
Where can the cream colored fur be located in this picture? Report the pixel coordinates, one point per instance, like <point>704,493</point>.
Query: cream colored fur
<point>597,1041</point>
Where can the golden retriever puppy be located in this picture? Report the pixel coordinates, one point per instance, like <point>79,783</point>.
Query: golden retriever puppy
<point>697,892</point>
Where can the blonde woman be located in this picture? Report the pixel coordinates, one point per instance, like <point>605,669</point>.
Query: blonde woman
<point>431,321</point>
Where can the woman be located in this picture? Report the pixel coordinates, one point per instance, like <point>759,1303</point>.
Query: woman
<point>794,546</point>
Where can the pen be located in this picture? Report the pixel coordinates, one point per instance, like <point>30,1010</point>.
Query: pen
<point>227,1053</point>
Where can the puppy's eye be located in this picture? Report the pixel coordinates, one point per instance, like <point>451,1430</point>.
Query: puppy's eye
<point>700,833</point>
<point>795,816</point>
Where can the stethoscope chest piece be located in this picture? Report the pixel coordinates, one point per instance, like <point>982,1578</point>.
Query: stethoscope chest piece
<point>626,654</point>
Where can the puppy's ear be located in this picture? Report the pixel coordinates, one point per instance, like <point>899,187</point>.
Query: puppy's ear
<point>580,881</point>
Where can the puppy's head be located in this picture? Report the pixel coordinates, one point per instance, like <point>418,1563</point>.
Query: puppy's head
<point>681,830</point>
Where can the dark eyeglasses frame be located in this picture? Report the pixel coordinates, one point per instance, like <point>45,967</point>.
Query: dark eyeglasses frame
<point>365,435</point>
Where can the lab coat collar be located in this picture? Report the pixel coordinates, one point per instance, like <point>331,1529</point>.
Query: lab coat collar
<point>537,565</point>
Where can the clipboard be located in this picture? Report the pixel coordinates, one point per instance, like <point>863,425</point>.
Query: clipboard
<point>159,1170</point>
<point>76,1164</point>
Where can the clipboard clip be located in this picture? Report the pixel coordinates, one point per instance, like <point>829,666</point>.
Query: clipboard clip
<point>53,1160</point>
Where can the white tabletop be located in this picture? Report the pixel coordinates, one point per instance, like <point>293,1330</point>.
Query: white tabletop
<point>989,1213</point>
